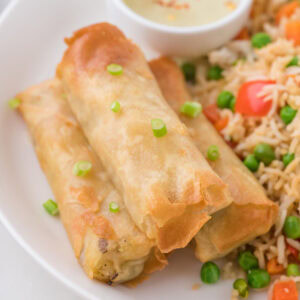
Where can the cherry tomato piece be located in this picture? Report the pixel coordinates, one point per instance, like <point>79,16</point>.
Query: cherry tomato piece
<point>249,103</point>
<point>294,252</point>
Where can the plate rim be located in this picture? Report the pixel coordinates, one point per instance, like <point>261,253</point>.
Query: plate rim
<point>14,233</point>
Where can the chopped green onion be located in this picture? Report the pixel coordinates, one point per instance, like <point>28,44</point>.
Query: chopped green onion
<point>291,227</point>
<point>258,278</point>
<point>14,103</point>
<point>224,99</point>
<point>215,73</point>
<point>114,207</point>
<point>242,287</point>
<point>251,163</point>
<point>189,72</point>
<point>293,62</point>
<point>210,273</point>
<point>115,106</point>
<point>213,152</point>
<point>64,96</point>
<point>287,114</point>
<point>261,39</point>
<point>82,168</point>
<point>191,109</point>
<point>288,158</point>
<point>115,69</point>
<point>293,270</point>
<point>159,127</point>
<point>51,207</point>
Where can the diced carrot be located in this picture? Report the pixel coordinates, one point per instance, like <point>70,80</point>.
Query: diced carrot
<point>287,10</point>
<point>294,252</point>
<point>285,290</point>
<point>221,124</point>
<point>211,112</point>
<point>292,31</point>
<point>273,267</point>
<point>243,34</point>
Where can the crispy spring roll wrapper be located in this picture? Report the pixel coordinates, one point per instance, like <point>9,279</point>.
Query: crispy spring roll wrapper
<point>251,214</point>
<point>108,245</point>
<point>168,187</point>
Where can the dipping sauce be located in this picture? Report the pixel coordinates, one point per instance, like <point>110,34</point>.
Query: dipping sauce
<point>183,12</point>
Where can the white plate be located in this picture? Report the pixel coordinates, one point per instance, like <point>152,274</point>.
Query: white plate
<point>31,34</point>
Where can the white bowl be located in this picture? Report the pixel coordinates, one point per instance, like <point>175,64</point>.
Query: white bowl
<point>179,41</point>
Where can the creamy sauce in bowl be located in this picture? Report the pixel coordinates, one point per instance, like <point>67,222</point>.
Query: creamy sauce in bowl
<point>183,13</point>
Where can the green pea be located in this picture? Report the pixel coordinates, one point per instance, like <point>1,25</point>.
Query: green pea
<point>265,153</point>
<point>251,163</point>
<point>287,114</point>
<point>288,158</point>
<point>258,278</point>
<point>242,287</point>
<point>232,104</point>
<point>293,270</point>
<point>291,227</point>
<point>210,273</point>
<point>224,99</point>
<point>247,260</point>
<point>213,153</point>
<point>293,62</point>
<point>261,39</point>
<point>214,73</point>
<point>189,72</point>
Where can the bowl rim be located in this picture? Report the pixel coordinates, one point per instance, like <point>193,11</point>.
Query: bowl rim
<point>243,7</point>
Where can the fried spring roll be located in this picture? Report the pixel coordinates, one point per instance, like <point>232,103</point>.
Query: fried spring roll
<point>251,214</point>
<point>168,187</point>
<point>108,245</point>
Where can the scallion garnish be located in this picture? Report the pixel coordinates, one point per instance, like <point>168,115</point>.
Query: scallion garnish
<point>114,207</point>
<point>191,109</point>
<point>115,106</point>
<point>82,168</point>
<point>115,69</point>
<point>51,207</point>
<point>159,127</point>
<point>14,103</point>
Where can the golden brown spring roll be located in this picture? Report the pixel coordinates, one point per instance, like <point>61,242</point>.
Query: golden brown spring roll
<point>252,213</point>
<point>168,187</point>
<point>108,245</point>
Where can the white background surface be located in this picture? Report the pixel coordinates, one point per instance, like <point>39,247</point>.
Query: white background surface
<point>21,278</point>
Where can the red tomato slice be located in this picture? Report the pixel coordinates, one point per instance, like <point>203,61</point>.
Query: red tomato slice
<point>294,252</point>
<point>248,103</point>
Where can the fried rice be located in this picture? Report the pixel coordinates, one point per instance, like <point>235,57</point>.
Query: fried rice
<point>241,63</point>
